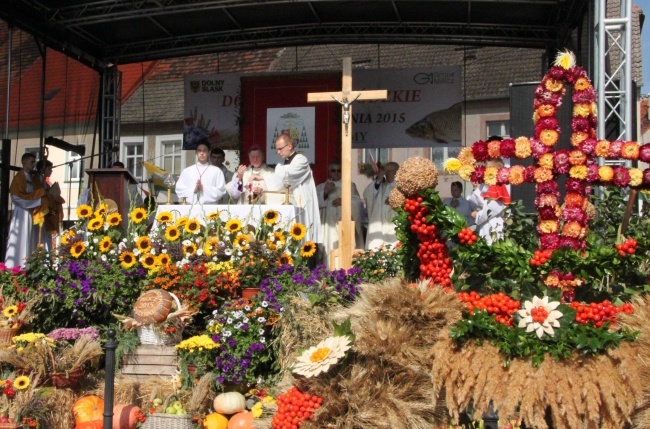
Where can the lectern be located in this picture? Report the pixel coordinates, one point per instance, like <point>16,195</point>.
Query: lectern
<point>113,184</point>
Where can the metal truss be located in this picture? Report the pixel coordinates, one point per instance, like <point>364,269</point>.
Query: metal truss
<point>613,38</point>
<point>111,90</point>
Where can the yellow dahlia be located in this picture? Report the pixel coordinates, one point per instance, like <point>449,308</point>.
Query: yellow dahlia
<point>164,217</point>
<point>77,249</point>
<point>298,231</point>
<point>95,223</point>
<point>582,110</point>
<point>138,215</point>
<point>546,160</point>
<point>581,84</point>
<point>114,219</point>
<point>84,211</point>
<point>271,217</point>
<point>127,259</point>
<point>308,249</point>
<point>522,148</point>
<point>549,137</point>
<point>233,226</point>
<point>143,244</point>
<point>578,172</point>
<point>105,244</point>
<point>172,233</point>
<point>543,174</point>
<point>490,176</point>
<point>549,226</point>
<point>465,171</point>
<point>605,173</point>
<point>602,148</point>
<point>516,175</point>
<point>636,177</point>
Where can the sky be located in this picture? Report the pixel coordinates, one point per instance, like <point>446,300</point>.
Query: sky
<point>645,44</point>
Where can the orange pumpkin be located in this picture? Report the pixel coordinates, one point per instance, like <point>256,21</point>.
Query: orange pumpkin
<point>88,410</point>
<point>124,416</point>
<point>215,421</point>
<point>243,420</point>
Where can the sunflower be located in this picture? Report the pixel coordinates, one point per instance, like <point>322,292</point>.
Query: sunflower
<point>22,382</point>
<point>172,233</point>
<point>77,249</point>
<point>101,210</point>
<point>164,259</point>
<point>148,261</point>
<point>181,221</point>
<point>189,249</point>
<point>143,244</point>
<point>286,259</point>
<point>138,215</point>
<point>84,211</point>
<point>193,226</point>
<point>298,231</point>
<point>105,244</point>
<point>233,225</point>
<point>271,217</point>
<point>65,237</point>
<point>214,215</point>
<point>308,249</point>
<point>114,219</point>
<point>164,217</point>
<point>211,246</point>
<point>127,259</point>
<point>95,223</point>
<point>276,241</point>
<point>10,311</point>
<point>242,241</point>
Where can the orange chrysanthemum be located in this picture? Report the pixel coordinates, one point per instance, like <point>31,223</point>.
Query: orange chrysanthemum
<point>578,137</point>
<point>549,137</point>
<point>545,111</point>
<point>552,280</point>
<point>630,150</point>
<point>543,175</point>
<point>574,200</point>
<point>547,200</point>
<point>546,160</point>
<point>577,157</point>
<point>549,226</point>
<point>602,148</point>
<point>494,149</point>
<point>522,148</point>
<point>553,85</point>
<point>466,156</point>
<point>516,175</point>
<point>581,84</point>
<point>572,229</point>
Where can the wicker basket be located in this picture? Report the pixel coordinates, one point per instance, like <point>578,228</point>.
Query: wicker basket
<point>168,421</point>
<point>6,334</point>
<point>149,335</point>
<point>66,379</point>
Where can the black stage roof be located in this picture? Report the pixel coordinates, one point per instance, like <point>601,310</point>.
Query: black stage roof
<point>103,32</point>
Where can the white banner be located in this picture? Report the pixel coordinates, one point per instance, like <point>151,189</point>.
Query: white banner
<point>212,110</point>
<point>423,108</point>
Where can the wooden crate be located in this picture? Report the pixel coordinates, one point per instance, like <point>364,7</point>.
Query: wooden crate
<point>150,360</point>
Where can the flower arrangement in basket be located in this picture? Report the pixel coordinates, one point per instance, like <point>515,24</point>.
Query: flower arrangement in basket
<point>22,403</point>
<point>173,416</point>
<point>60,364</point>
<point>154,320</point>
<point>13,315</point>
<point>197,356</point>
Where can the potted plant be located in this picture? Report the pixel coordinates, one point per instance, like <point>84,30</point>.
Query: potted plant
<point>197,356</point>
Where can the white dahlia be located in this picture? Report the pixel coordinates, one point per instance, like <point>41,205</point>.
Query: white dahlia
<point>319,359</point>
<point>540,315</point>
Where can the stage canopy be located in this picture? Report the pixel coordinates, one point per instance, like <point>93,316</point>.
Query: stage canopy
<point>104,32</point>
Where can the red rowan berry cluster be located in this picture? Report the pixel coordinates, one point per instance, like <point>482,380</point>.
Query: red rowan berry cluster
<point>432,251</point>
<point>628,247</point>
<point>540,257</point>
<point>466,235</point>
<point>599,312</point>
<point>499,304</point>
<point>294,407</point>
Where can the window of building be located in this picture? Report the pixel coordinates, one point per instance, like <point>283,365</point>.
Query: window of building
<point>498,128</point>
<point>74,168</point>
<point>378,155</point>
<point>170,153</point>
<point>34,150</point>
<point>440,154</point>
<point>133,158</point>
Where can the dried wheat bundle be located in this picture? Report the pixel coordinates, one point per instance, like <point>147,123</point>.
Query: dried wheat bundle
<point>584,392</point>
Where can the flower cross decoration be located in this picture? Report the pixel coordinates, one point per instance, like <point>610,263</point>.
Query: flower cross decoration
<point>559,226</point>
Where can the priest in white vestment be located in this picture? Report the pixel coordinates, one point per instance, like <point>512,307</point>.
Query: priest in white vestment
<point>329,202</point>
<point>249,183</point>
<point>296,172</point>
<point>26,196</point>
<point>202,182</point>
<point>381,229</point>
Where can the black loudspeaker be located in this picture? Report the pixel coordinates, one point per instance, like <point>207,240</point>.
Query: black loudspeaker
<point>522,96</point>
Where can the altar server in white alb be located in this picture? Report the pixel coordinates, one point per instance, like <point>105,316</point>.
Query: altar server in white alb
<point>329,202</point>
<point>202,182</point>
<point>381,229</point>
<point>297,173</point>
<point>248,184</point>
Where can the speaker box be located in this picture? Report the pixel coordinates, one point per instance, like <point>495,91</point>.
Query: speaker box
<point>522,96</point>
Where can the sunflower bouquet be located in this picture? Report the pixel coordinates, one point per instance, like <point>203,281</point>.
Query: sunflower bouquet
<point>13,314</point>
<point>18,395</point>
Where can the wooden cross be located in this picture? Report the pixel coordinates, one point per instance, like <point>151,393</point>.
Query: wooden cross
<point>345,98</point>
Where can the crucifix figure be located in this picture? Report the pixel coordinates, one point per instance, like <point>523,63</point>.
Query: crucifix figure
<point>345,98</point>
